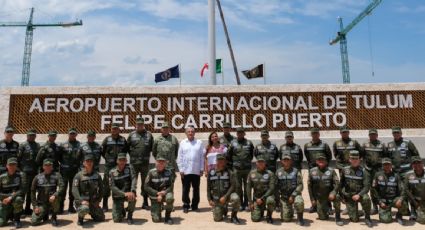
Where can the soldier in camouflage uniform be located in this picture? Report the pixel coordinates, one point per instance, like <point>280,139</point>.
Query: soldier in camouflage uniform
<point>47,188</point>
<point>342,148</point>
<point>323,187</point>
<point>26,162</point>
<point>166,146</point>
<point>111,146</point>
<point>159,185</point>
<point>414,185</point>
<point>401,151</point>
<point>387,187</point>
<point>260,188</point>
<point>355,184</point>
<point>374,151</point>
<point>239,157</point>
<point>69,166</point>
<point>290,187</point>
<point>123,183</point>
<point>221,191</point>
<point>227,137</point>
<point>49,150</point>
<point>87,191</point>
<point>267,150</point>
<point>12,191</point>
<point>140,147</point>
<point>293,149</point>
<point>316,147</point>
<point>91,147</point>
<point>8,148</point>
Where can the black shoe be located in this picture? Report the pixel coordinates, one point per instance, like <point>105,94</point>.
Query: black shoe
<point>185,210</point>
<point>130,219</point>
<point>145,206</point>
<point>167,219</point>
<point>312,209</point>
<point>300,219</point>
<point>234,218</point>
<point>80,221</point>
<point>399,219</point>
<point>338,220</point>
<point>105,205</point>
<point>54,221</point>
<point>269,217</point>
<point>71,209</point>
<point>367,221</point>
<point>17,220</point>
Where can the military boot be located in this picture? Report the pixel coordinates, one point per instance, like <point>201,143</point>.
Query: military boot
<point>338,220</point>
<point>54,220</point>
<point>300,219</point>
<point>269,217</point>
<point>71,208</point>
<point>17,220</point>
<point>105,204</point>
<point>367,220</point>
<point>145,204</point>
<point>312,209</point>
<point>413,214</point>
<point>234,218</point>
<point>130,218</point>
<point>168,219</point>
<point>80,221</point>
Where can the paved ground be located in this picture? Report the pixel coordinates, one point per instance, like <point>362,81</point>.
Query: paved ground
<point>203,219</point>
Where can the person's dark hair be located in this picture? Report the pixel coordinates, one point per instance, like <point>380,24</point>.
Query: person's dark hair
<point>210,143</point>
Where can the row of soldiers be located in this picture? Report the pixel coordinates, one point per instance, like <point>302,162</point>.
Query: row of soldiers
<point>68,158</point>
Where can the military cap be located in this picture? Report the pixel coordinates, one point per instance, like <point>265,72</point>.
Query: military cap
<point>314,130</point>
<point>416,159</point>
<point>260,158</point>
<point>161,159</point>
<point>88,157</point>
<point>373,131</point>
<point>354,154</point>
<point>122,156</point>
<point>53,133</point>
<point>321,156</point>
<point>91,133</point>
<point>165,125</point>
<point>12,160</point>
<point>221,156</point>
<point>396,129</point>
<point>344,129</point>
<point>227,125</point>
<point>72,131</point>
<point>9,129</point>
<point>115,125</point>
<point>286,156</point>
<point>386,161</point>
<point>140,121</point>
<point>47,161</point>
<point>31,132</point>
<point>289,134</point>
<point>264,133</point>
<point>240,129</point>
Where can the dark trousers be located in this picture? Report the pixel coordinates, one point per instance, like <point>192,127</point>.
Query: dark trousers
<point>191,180</point>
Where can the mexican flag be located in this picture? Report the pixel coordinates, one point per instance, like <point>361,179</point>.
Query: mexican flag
<point>218,67</point>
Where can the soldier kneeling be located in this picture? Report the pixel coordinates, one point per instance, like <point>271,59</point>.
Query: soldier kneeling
<point>87,191</point>
<point>415,188</point>
<point>221,189</point>
<point>46,191</point>
<point>159,185</point>
<point>123,182</point>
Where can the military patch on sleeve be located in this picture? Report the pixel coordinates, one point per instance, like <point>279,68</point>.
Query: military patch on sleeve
<point>314,172</point>
<point>328,173</point>
<point>266,176</point>
<point>347,171</point>
<point>359,173</point>
<point>380,178</point>
<point>253,175</point>
<point>76,182</point>
<point>391,179</point>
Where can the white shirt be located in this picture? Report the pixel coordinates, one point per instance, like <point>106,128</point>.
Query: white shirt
<point>190,159</point>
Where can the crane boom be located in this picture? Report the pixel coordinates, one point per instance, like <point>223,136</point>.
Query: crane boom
<point>29,38</point>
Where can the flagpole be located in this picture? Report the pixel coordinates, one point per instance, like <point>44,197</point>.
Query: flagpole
<point>180,75</point>
<point>264,73</point>
<point>212,42</point>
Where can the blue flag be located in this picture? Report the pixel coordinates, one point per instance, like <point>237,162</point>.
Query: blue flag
<point>173,72</point>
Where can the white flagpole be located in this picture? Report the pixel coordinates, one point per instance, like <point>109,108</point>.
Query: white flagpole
<point>212,42</point>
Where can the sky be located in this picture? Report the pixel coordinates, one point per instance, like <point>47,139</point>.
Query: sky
<point>124,43</point>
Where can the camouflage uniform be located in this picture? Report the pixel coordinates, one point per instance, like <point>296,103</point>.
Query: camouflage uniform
<point>296,153</point>
<point>239,156</point>
<point>261,185</point>
<point>69,166</point>
<point>49,151</point>
<point>355,181</point>
<point>12,186</point>
<point>156,182</point>
<point>140,148</point>
<point>227,139</point>
<point>7,150</point>
<point>122,182</point>
<point>269,152</point>
<point>321,184</point>
<point>110,148</point>
<point>166,147</point>
<point>26,162</point>
<point>93,149</point>
<point>414,186</point>
<point>388,189</point>
<point>401,152</point>
<point>222,183</point>
<point>313,150</point>
<point>88,187</point>
<point>42,187</point>
<point>342,150</point>
<point>290,184</point>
